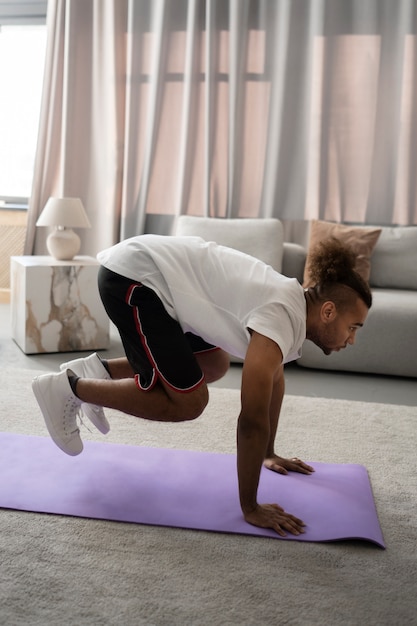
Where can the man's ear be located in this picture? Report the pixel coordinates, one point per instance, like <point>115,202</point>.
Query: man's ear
<point>328,311</point>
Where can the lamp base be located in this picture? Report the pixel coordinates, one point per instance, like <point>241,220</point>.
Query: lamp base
<point>63,244</point>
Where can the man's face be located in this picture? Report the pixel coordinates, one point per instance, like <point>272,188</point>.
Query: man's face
<point>338,330</point>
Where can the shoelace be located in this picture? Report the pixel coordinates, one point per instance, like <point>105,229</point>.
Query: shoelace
<point>73,413</point>
<point>82,422</point>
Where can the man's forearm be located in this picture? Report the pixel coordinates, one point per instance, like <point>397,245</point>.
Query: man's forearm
<point>261,371</point>
<point>251,450</point>
<point>275,410</point>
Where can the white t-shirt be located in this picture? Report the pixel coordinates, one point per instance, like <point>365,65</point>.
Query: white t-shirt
<point>215,292</point>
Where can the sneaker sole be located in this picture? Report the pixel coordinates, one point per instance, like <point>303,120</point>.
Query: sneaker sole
<point>49,421</point>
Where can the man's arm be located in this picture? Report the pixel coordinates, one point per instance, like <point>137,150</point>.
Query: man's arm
<point>272,460</point>
<point>260,370</point>
<point>277,397</point>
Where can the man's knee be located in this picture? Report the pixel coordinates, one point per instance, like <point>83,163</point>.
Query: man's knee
<point>191,405</point>
<point>214,364</point>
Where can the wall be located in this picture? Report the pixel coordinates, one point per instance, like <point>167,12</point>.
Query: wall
<point>12,239</point>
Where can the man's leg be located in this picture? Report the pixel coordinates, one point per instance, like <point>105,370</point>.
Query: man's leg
<point>214,364</point>
<point>168,383</point>
<point>60,397</point>
<point>161,403</point>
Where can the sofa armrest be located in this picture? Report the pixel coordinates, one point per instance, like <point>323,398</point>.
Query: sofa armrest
<point>293,261</point>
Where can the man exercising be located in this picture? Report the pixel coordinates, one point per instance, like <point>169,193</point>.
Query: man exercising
<point>181,306</point>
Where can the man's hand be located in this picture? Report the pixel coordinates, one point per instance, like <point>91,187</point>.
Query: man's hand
<point>283,466</point>
<point>274,516</point>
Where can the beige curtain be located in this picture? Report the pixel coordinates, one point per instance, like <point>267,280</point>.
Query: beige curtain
<point>296,109</point>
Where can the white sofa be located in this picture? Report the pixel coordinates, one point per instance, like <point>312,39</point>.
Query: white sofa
<point>388,342</point>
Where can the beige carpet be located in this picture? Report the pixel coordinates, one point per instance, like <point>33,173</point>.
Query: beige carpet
<point>58,570</point>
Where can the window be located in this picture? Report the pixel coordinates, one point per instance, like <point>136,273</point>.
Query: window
<point>22,56</point>
<point>209,134</point>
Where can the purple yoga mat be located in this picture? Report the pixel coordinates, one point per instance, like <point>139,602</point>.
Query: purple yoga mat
<point>179,488</point>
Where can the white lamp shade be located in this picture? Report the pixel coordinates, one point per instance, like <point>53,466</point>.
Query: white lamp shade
<point>64,212</point>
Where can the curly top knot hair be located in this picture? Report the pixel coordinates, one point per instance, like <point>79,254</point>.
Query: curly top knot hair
<point>333,264</point>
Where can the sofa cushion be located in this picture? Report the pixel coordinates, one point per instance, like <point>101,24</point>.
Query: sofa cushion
<point>394,260</point>
<point>360,239</point>
<point>261,238</point>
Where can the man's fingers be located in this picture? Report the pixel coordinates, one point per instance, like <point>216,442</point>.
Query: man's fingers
<point>290,526</point>
<point>290,522</point>
<point>283,466</point>
<point>274,516</point>
<point>302,467</point>
<point>279,530</point>
<point>275,467</point>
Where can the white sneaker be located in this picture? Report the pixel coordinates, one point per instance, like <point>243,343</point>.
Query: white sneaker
<point>60,408</point>
<point>91,367</point>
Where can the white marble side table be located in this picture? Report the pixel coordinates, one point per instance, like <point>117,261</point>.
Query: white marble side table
<point>55,305</point>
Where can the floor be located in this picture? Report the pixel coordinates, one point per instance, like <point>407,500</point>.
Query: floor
<point>299,381</point>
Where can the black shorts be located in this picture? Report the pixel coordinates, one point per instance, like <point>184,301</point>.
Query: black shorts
<point>155,344</point>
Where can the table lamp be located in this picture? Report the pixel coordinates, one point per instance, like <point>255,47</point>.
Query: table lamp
<point>63,214</point>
